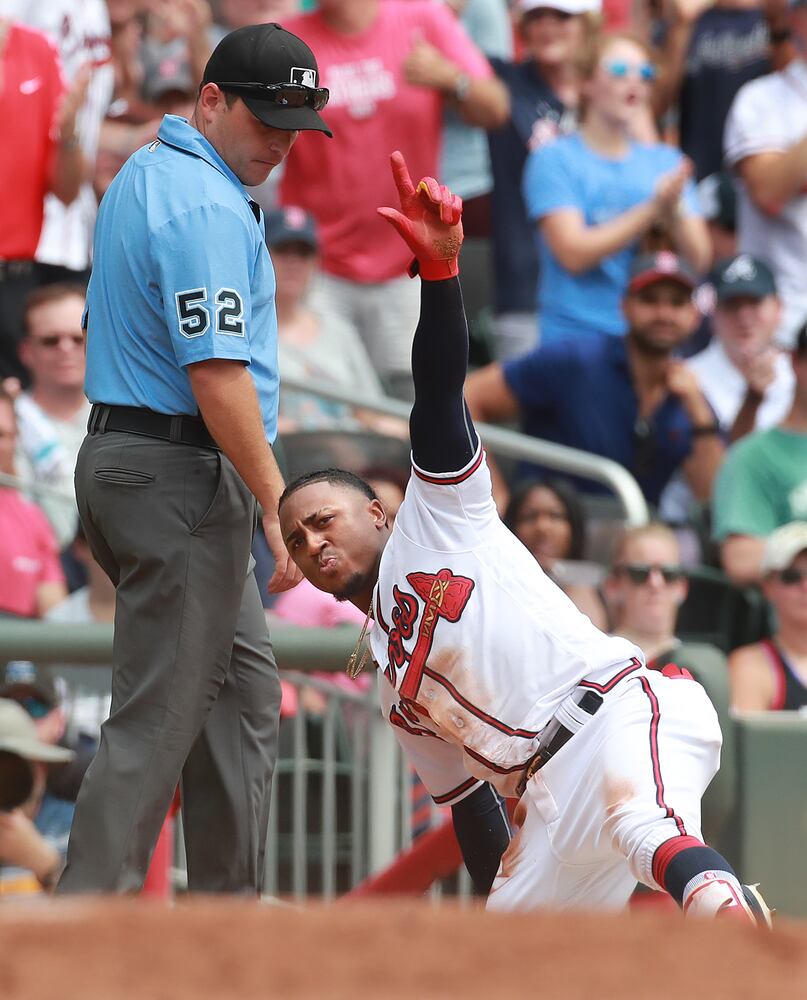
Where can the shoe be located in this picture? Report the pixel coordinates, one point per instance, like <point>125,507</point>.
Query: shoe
<point>760,910</point>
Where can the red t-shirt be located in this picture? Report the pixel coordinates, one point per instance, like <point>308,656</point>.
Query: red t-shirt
<point>31,88</point>
<point>28,554</point>
<point>372,111</point>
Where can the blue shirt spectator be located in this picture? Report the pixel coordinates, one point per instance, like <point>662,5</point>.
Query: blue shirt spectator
<point>594,196</point>
<point>567,174</point>
<point>627,398</point>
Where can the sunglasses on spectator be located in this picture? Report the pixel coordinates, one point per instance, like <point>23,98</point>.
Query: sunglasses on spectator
<point>287,95</point>
<point>791,576</point>
<point>639,573</point>
<point>54,339</point>
<point>620,70</point>
<point>34,707</point>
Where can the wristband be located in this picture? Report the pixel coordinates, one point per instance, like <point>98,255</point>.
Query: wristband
<point>705,430</point>
<point>433,270</point>
<point>462,86</point>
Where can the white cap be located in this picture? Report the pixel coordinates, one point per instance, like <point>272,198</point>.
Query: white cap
<point>567,6</point>
<point>783,545</point>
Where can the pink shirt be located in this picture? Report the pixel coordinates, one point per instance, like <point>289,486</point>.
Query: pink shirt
<point>28,554</point>
<point>372,111</point>
<point>306,606</point>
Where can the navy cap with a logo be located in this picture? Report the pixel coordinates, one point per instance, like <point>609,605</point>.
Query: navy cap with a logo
<point>649,268</point>
<point>255,61</point>
<point>743,276</point>
<point>290,225</point>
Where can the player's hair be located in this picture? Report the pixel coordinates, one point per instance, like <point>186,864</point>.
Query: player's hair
<point>572,506</point>
<point>50,293</point>
<point>336,477</point>
<point>655,529</point>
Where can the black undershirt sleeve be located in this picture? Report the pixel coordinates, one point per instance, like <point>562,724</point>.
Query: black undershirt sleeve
<point>443,436</point>
<point>483,833</point>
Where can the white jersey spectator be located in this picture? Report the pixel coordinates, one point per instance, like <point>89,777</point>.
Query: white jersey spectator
<point>766,142</point>
<point>747,382</point>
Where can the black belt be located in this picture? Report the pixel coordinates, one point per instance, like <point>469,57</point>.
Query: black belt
<point>15,269</point>
<point>180,428</point>
<point>589,703</point>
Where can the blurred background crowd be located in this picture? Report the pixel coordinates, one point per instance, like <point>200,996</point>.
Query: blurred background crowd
<point>635,182</point>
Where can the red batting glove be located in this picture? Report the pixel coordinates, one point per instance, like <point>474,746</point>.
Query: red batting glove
<point>429,223</point>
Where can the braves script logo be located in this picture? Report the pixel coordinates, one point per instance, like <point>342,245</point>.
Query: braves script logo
<point>445,596</point>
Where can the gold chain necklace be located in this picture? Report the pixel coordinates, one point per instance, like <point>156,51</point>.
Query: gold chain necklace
<point>358,658</point>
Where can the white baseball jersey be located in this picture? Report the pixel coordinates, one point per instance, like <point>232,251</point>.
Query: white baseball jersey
<point>476,646</point>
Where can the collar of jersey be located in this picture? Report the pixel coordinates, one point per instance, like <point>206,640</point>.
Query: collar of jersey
<point>179,133</point>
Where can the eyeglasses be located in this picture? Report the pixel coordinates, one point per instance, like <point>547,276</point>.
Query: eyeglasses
<point>288,95</point>
<point>619,70</point>
<point>639,573</point>
<point>791,576</point>
<point>53,340</point>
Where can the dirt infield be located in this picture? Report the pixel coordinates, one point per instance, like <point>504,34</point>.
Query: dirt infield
<point>223,950</point>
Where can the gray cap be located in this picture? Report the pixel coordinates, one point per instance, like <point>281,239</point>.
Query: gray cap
<point>18,735</point>
<point>743,276</point>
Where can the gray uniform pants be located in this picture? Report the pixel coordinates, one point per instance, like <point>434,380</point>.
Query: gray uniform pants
<point>195,691</point>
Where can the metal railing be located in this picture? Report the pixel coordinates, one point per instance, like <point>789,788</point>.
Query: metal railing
<point>509,443</point>
<point>341,798</point>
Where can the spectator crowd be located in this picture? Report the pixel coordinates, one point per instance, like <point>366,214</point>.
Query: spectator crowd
<point>635,186</point>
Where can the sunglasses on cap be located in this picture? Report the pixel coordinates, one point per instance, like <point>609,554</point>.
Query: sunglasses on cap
<point>287,95</point>
<point>639,573</point>
<point>620,70</point>
<point>791,576</point>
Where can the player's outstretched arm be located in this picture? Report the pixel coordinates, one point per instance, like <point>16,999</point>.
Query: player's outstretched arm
<point>429,221</point>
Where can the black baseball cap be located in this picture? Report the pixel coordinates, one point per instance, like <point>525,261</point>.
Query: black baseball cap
<point>648,268</point>
<point>743,276</point>
<point>255,61</point>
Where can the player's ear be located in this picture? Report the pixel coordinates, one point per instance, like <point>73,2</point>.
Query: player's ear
<point>379,514</point>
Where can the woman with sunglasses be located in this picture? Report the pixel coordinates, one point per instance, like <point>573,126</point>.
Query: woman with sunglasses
<point>549,520</point>
<point>596,194</point>
<point>544,88</point>
<point>772,674</point>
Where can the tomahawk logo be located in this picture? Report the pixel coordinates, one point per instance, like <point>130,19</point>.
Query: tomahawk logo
<point>741,269</point>
<point>303,76</point>
<point>445,596</point>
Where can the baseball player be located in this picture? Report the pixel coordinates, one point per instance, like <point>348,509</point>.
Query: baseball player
<point>489,674</point>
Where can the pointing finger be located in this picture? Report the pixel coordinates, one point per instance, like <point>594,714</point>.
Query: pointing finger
<point>400,174</point>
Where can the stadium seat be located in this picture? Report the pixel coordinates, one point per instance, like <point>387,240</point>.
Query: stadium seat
<point>718,612</point>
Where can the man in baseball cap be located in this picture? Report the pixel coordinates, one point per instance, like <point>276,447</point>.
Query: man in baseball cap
<point>275,74</point>
<point>33,824</point>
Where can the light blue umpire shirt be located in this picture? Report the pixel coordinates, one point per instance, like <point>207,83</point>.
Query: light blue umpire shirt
<point>180,274</point>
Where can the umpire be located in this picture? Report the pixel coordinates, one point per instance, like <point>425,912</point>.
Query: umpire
<point>182,372</point>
